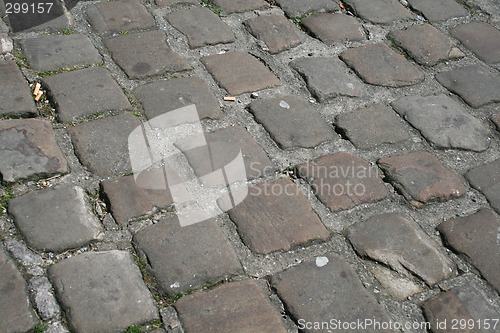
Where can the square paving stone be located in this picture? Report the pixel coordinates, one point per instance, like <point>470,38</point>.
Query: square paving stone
<point>379,65</point>
<point>294,8</point>
<point>145,54</point>
<point>48,53</point>
<point>28,149</point>
<point>481,38</point>
<point>187,257</point>
<point>102,144</point>
<point>201,26</point>
<point>343,180</point>
<point>85,92</point>
<point>276,31</point>
<point>55,219</point>
<point>102,292</point>
<point>119,16</point>
<point>476,238</point>
<point>242,307</point>
<point>422,178</point>
<point>276,216</point>
<point>443,121</point>
<point>239,72</point>
<point>16,98</point>
<point>486,178</point>
<point>328,78</point>
<point>438,10</point>
<point>327,289</point>
<point>402,245</point>
<point>367,127</point>
<point>379,11</point>
<point>292,121</point>
<point>239,6</point>
<point>475,84</point>
<point>334,28</point>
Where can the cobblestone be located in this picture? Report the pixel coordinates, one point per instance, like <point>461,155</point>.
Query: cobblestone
<point>275,31</point>
<point>333,28</point>
<point>379,11</point>
<point>16,99</point>
<point>481,38</point>
<point>239,6</point>
<point>295,8</point>
<point>438,10</point>
<point>486,178</point>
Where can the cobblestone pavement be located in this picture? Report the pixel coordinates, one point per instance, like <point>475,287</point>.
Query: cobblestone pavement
<point>398,100</point>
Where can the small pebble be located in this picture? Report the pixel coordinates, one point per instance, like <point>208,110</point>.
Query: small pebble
<point>284,105</point>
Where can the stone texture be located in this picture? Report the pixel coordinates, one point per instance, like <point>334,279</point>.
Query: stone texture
<point>343,180</point>
<point>44,299</point>
<point>334,28</point>
<point>328,78</point>
<point>475,84</point>
<point>16,98</point>
<point>119,16</point>
<point>421,177</point>
<point>396,285</point>
<point>48,53</point>
<point>145,54</point>
<point>319,293</point>
<point>379,11</point>
<point>367,127</point>
<point>402,245</point>
<point>496,120</point>
<point>239,72</point>
<point>6,44</point>
<point>438,10</point>
<point>278,33</point>
<point>481,38</point>
<point>294,8</point>
<point>101,94</point>
<point>168,3</point>
<point>379,65</point>
<point>444,122</point>
<point>28,149</point>
<point>486,178</point>
<point>239,6</point>
<point>102,292</point>
<point>102,145</point>
<point>187,257</point>
<point>292,121</point>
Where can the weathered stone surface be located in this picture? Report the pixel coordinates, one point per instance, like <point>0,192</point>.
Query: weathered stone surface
<point>187,257</point>
<point>28,148</point>
<point>119,16</point>
<point>278,33</point>
<point>102,145</point>
<point>334,28</point>
<point>6,44</point>
<point>44,299</point>
<point>16,98</point>
<point>145,54</point>
<point>396,285</point>
<point>379,11</point>
<point>402,245</point>
<point>438,10</point>
<point>328,78</point>
<point>379,65</point>
<point>475,84</point>
<point>168,95</point>
<point>343,180</point>
<point>166,3</point>
<point>421,177</point>
<point>239,72</point>
<point>496,120</point>
<point>481,38</point>
<point>16,313</point>
<point>48,53</point>
<point>486,178</point>
<point>294,8</point>
<point>239,6</point>
<point>444,122</point>
<point>232,307</point>
<point>102,292</point>
<point>292,121</point>
<point>367,127</point>
<point>102,93</point>
<point>319,293</point>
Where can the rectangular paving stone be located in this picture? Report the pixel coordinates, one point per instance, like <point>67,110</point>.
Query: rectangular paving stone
<point>328,78</point>
<point>145,54</point>
<point>438,10</point>
<point>16,98</point>
<point>402,245</point>
<point>101,93</point>
<point>445,123</point>
<point>327,289</point>
<point>475,84</point>
<point>294,8</point>
<point>241,306</point>
<point>187,257</point>
<point>379,65</point>
<point>334,28</point>
<point>239,6</point>
<point>28,149</point>
<point>208,28</point>
<point>292,121</point>
<point>367,127</point>
<point>48,53</point>
<point>102,292</point>
<point>486,178</point>
<point>239,72</point>
<point>343,180</point>
<point>379,11</point>
<point>481,38</point>
<point>421,178</point>
<point>276,31</point>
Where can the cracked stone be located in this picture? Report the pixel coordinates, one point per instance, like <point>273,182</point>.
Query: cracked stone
<point>398,286</point>
<point>278,33</point>
<point>16,98</point>
<point>334,28</point>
